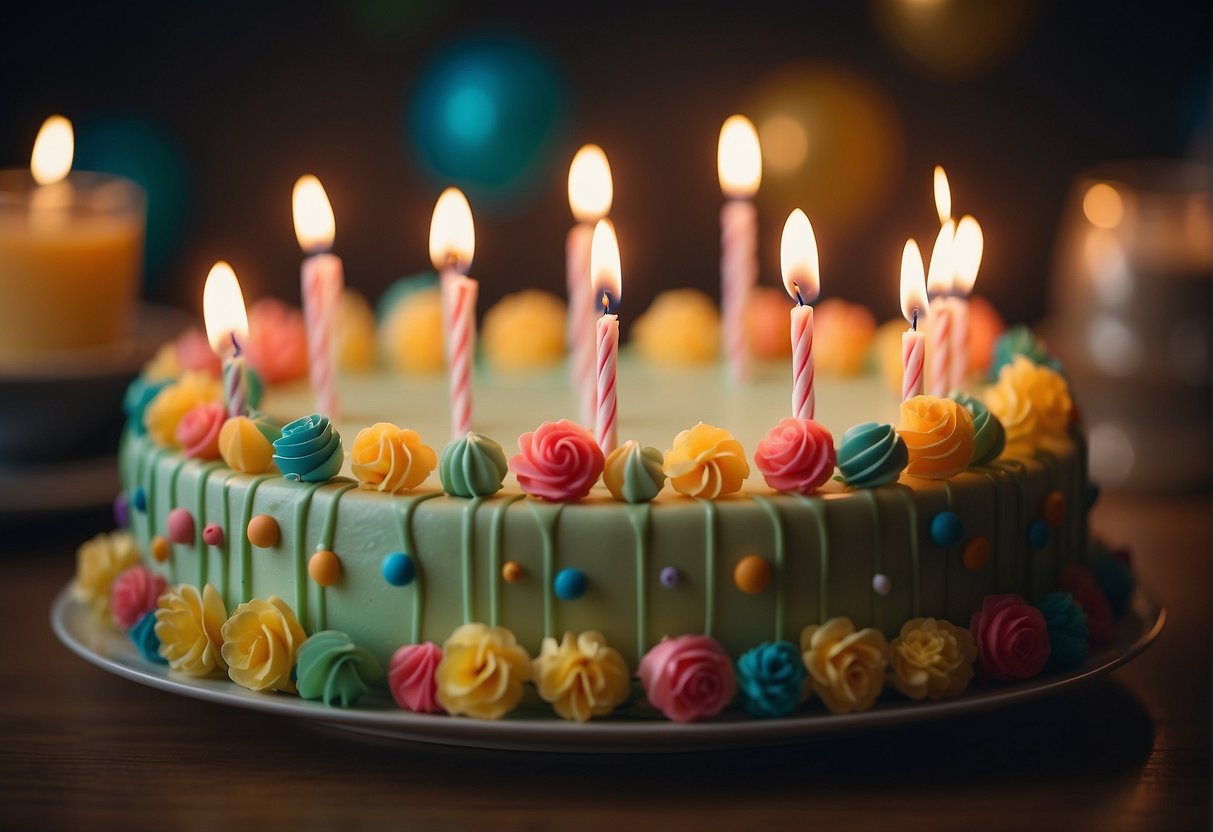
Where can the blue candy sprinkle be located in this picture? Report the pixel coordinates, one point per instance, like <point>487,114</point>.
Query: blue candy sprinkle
<point>946,528</point>
<point>1038,534</point>
<point>398,569</point>
<point>139,499</point>
<point>569,584</point>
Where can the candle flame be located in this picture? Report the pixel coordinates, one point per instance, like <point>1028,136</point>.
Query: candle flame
<point>913,284</point>
<point>1103,205</point>
<point>590,188</point>
<point>739,158</point>
<point>798,258</point>
<point>943,195</point>
<point>314,224</point>
<point>941,272</point>
<point>53,151</point>
<point>605,272</point>
<point>223,308</point>
<point>452,234</point>
<point>967,249</point>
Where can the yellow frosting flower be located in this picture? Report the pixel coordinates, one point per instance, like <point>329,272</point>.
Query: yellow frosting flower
<point>932,658</point>
<point>481,672</point>
<point>177,399</point>
<point>388,458</point>
<point>98,562</point>
<point>411,336</point>
<point>1032,402</point>
<point>846,668</point>
<point>355,333</point>
<point>681,326</point>
<point>189,625</point>
<point>525,330</point>
<point>244,447</point>
<point>260,642</point>
<point>164,365</point>
<point>707,462</point>
<point>939,436</point>
<point>581,676</point>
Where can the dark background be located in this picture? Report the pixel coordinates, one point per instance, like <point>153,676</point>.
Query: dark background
<point>217,108</point>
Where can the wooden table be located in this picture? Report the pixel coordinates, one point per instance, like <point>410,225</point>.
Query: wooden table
<point>87,750</point>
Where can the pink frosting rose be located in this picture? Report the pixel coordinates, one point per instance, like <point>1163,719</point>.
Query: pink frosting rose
<point>796,455</point>
<point>198,430</point>
<point>1080,583</point>
<point>688,678</point>
<point>410,677</point>
<point>559,461</point>
<point>277,341</point>
<point>195,353</point>
<point>1012,639</point>
<point>134,594</point>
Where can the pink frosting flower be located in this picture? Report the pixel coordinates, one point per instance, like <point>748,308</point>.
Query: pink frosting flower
<point>277,341</point>
<point>134,595</point>
<point>195,353</point>
<point>1012,639</point>
<point>688,678</point>
<point>796,455</point>
<point>410,677</point>
<point>1080,583</point>
<point>198,430</point>
<point>559,461</point>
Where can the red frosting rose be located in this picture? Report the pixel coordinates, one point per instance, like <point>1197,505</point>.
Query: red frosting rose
<point>1012,639</point>
<point>796,455</point>
<point>198,430</point>
<point>688,678</point>
<point>134,595</point>
<point>277,341</point>
<point>559,461</point>
<point>410,677</point>
<point>195,353</point>
<point>1080,583</point>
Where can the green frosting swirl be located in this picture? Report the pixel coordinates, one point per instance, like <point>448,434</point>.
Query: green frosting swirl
<point>989,436</point>
<point>473,466</point>
<point>871,454</point>
<point>334,670</point>
<point>633,473</point>
<point>309,450</point>
<point>1021,340</point>
<point>1067,626</point>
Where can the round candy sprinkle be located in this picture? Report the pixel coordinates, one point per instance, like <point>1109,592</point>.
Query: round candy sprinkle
<point>569,584</point>
<point>139,499</point>
<point>976,554</point>
<point>181,526</point>
<point>669,577</point>
<point>398,569</point>
<point>1053,509</point>
<point>881,584</point>
<point>511,572</point>
<point>122,511</point>
<point>324,567</point>
<point>212,535</point>
<point>752,574</point>
<point>1038,534</point>
<point>161,548</point>
<point>946,528</point>
<point>263,531</point>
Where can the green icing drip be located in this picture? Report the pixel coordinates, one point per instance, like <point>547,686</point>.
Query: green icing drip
<point>816,505</point>
<point>996,542</point>
<point>301,511</point>
<point>547,515</point>
<point>780,550</point>
<point>410,549</point>
<point>150,492</point>
<point>947,556</point>
<point>473,466</point>
<point>709,566</point>
<point>246,547</point>
<point>907,496</point>
<point>204,560</point>
<point>496,544</point>
<point>877,558</point>
<point>1011,467</point>
<point>225,551</point>
<point>178,467</point>
<point>1049,462</point>
<point>468,550</point>
<point>327,533</point>
<point>639,516</point>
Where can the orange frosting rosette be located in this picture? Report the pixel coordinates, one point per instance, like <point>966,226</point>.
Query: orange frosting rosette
<point>391,459</point>
<point>939,436</point>
<point>706,462</point>
<point>1032,402</point>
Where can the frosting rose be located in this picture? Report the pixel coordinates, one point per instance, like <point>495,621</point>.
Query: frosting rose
<point>525,331</point>
<point>989,438</point>
<point>171,404</point>
<point>98,562</point>
<point>334,670</point>
<point>189,625</point>
<point>1067,626</point>
<point>260,644</point>
<point>411,677</point>
<point>770,679</point>
<point>688,678</point>
<point>581,676</point>
<point>871,455</point>
<point>932,658</point>
<point>559,461</point>
<point>1079,582</point>
<point>706,462</point>
<point>133,595</point>
<point>141,392</point>
<point>198,431</point>
<point>391,459</point>
<point>681,326</point>
<point>309,450</point>
<point>1032,402</point>
<point>245,445</point>
<point>1020,341</point>
<point>143,636</point>
<point>846,667</point>
<point>481,672</point>
<point>1011,636</point>
<point>164,366</point>
<point>276,345</point>
<point>939,437</point>
<point>796,455</point>
<point>633,474</point>
<point>473,466</point>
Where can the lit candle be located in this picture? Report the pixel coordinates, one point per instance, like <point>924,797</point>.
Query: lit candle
<point>606,279</point>
<point>226,325</point>
<point>801,277</point>
<point>939,287</point>
<point>966,256</point>
<point>590,195</point>
<point>739,164</point>
<point>452,244</point>
<point>322,278</point>
<point>913,307</point>
<point>943,195</point>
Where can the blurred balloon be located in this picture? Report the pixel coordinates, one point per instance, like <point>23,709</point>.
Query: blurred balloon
<point>953,38</point>
<point>486,114</point>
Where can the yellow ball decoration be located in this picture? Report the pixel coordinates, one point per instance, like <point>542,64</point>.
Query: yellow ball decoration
<point>161,549</point>
<point>324,567</point>
<point>752,574</point>
<point>525,331</point>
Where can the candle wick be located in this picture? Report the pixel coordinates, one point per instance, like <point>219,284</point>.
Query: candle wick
<point>235,344</point>
<point>799,299</point>
<point>915,321</point>
<point>606,302</point>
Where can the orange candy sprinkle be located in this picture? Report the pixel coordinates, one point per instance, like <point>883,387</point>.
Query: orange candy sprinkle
<point>976,554</point>
<point>263,531</point>
<point>511,572</point>
<point>1054,509</point>
<point>324,567</point>
<point>752,574</point>
<point>161,548</point>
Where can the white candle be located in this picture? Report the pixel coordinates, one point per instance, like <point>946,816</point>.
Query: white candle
<point>226,322</point>
<point>939,287</point>
<point>739,165</point>
<point>452,244</point>
<point>321,279</point>
<point>914,308</point>
<point>606,279</point>
<point>801,277</point>
<point>966,254</point>
<point>590,194</point>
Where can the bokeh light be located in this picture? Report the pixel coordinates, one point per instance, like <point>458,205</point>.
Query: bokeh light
<point>953,38</point>
<point>1102,205</point>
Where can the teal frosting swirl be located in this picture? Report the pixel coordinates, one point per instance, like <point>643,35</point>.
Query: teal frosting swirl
<point>1021,340</point>
<point>1113,577</point>
<point>334,670</point>
<point>634,473</point>
<point>1067,626</point>
<point>473,466</point>
<point>989,436</point>
<point>136,399</point>
<point>770,679</point>
<point>309,450</point>
<point>143,636</point>
<point>871,454</point>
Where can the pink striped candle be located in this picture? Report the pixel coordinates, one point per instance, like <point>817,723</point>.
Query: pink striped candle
<point>606,279</point>
<point>739,165</point>
<point>801,277</point>
<point>914,306</point>
<point>940,276</point>
<point>321,279</point>
<point>461,330</point>
<point>591,192</point>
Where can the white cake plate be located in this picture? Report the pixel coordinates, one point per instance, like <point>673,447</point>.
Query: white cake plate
<point>539,730</point>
